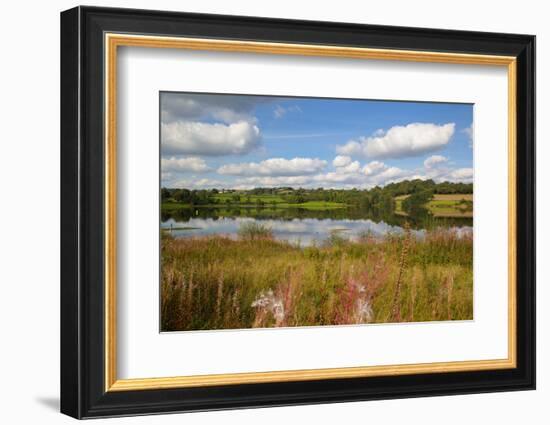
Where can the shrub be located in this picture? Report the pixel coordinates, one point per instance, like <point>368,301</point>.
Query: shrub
<point>254,231</point>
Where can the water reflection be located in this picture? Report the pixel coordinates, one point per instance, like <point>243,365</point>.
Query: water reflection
<point>301,225</point>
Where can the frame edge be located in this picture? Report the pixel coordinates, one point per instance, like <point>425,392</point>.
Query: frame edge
<point>80,397</point>
<point>526,204</point>
<point>70,349</point>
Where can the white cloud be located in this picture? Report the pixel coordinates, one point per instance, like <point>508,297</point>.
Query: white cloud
<point>328,179</point>
<point>193,183</point>
<point>373,167</point>
<point>461,174</point>
<point>392,174</point>
<point>280,111</point>
<point>348,176</point>
<point>373,174</point>
<point>351,148</point>
<point>277,172</point>
<point>400,141</point>
<point>194,107</point>
<point>197,138</point>
<point>435,161</point>
<point>454,175</point>
<point>341,161</point>
<point>273,181</point>
<point>275,167</point>
<point>353,167</point>
<point>182,165</point>
<point>469,131</point>
<point>344,165</point>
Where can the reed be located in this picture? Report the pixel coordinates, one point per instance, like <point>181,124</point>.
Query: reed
<point>395,310</point>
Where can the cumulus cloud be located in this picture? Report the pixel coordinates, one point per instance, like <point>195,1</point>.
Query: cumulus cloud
<point>347,176</point>
<point>193,183</point>
<point>225,108</point>
<point>274,181</point>
<point>373,168</point>
<point>195,127</point>
<point>393,174</point>
<point>435,161</point>
<point>352,167</point>
<point>351,148</point>
<point>183,165</point>
<point>198,138</point>
<point>344,165</point>
<point>469,131</point>
<point>166,176</point>
<point>461,174</point>
<point>377,173</point>
<point>275,167</point>
<point>341,161</point>
<point>276,173</point>
<point>446,174</point>
<point>400,141</point>
<point>329,179</point>
<point>372,174</point>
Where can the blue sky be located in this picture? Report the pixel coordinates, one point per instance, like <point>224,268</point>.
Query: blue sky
<point>242,141</point>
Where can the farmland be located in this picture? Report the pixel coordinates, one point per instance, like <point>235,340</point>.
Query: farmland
<point>258,201</point>
<point>444,205</point>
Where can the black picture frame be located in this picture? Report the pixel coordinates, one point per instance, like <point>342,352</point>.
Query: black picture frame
<point>83,392</point>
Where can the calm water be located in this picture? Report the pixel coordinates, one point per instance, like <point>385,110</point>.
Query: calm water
<point>300,226</point>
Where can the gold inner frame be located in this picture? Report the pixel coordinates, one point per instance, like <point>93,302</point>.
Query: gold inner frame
<point>113,41</point>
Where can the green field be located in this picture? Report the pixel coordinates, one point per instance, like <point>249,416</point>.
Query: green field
<point>256,281</point>
<point>444,205</point>
<point>173,206</point>
<point>245,198</point>
<point>267,201</point>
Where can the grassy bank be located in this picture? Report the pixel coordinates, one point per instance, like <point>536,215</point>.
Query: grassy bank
<point>444,205</point>
<point>256,281</point>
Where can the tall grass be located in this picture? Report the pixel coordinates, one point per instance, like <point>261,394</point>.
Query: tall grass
<point>256,281</point>
<point>396,311</point>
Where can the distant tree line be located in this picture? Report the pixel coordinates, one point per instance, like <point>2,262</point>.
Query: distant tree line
<point>420,191</point>
<point>186,196</point>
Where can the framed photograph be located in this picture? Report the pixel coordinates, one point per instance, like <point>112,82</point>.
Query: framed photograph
<point>261,212</point>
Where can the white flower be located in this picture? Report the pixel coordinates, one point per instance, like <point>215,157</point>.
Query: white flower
<point>263,300</point>
<point>268,302</point>
<point>363,311</point>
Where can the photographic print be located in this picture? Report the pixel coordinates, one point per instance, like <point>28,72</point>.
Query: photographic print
<point>320,222</point>
<point>300,211</point>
